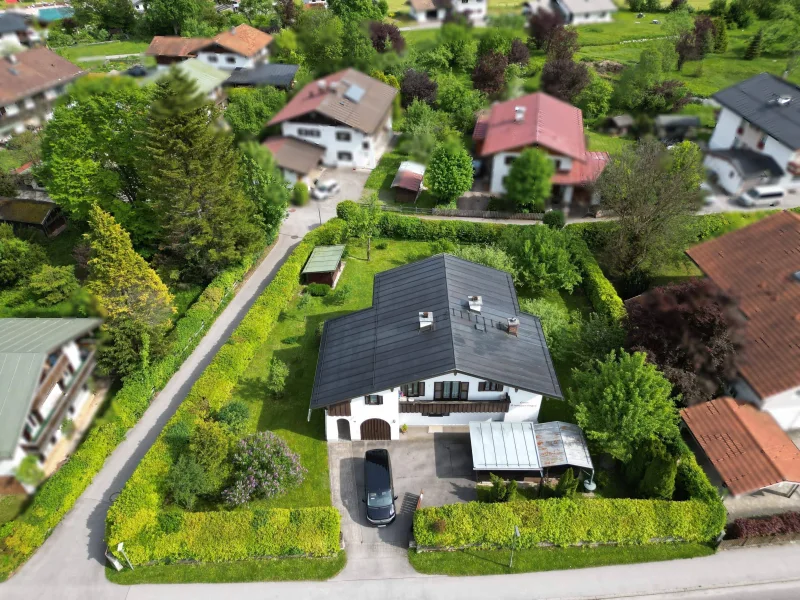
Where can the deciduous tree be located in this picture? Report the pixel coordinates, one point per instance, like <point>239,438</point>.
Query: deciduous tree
<point>528,182</point>
<point>543,258</point>
<point>518,53</point>
<point>449,173</point>
<point>489,73</point>
<point>595,99</point>
<point>358,10</point>
<point>542,26</point>
<point>622,402</point>
<point>565,79</point>
<point>319,34</point>
<point>386,37</point>
<point>563,44</point>
<point>265,186</point>
<point>417,85</point>
<point>250,109</point>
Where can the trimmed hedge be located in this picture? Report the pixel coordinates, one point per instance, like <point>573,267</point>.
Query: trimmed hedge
<point>136,517</point>
<point>20,538</point>
<point>601,293</point>
<point>564,522</point>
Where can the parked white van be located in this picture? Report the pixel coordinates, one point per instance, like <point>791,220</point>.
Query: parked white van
<point>762,195</point>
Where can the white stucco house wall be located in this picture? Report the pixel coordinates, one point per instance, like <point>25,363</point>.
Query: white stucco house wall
<point>424,11</point>
<point>443,344</point>
<point>582,12</point>
<point>760,115</point>
<point>349,114</point>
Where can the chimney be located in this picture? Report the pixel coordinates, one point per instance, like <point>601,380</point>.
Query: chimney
<point>233,30</point>
<point>475,303</point>
<point>513,326</point>
<point>784,100</point>
<point>519,114</point>
<point>12,58</point>
<point>323,85</point>
<point>425,321</point>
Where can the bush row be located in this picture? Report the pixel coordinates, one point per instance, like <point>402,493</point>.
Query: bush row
<point>135,517</point>
<point>20,538</point>
<point>565,522</point>
<point>601,293</point>
<point>786,523</point>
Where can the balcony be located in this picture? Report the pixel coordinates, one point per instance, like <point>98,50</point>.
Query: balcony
<point>53,376</point>
<point>438,407</point>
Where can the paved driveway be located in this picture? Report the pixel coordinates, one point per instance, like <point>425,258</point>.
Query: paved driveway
<point>439,464</point>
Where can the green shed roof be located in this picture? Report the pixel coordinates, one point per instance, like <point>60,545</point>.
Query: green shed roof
<point>24,346</point>
<point>324,259</point>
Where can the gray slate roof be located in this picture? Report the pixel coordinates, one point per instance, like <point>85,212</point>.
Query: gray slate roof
<point>749,163</point>
<point>276,74</point>
<point>755,100</point>
<point>12,22</point>
<point>382,347</point>
<point>24,346</point>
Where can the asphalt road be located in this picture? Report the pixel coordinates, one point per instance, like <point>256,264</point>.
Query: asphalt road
<point>70,565</point>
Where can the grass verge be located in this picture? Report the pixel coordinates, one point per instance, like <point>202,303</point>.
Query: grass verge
<point>294,569</point>
<point>72,53</point>
<point>495,562</point>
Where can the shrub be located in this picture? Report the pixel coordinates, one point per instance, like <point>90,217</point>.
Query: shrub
<point>320,327</point>
<point>602,295</point>
<point>234,416</point>
<point>263,467</point>
<point>567,486</point>
<point>347,210</point>
<point>783,524</point>
<point>318,289</point>
<point>186,480</point>
<point>490,256</point>
<point>51,285</point>
<point>659,478</point>
<point>554,219</point>
<point>28,471</point>
<point>300,194</point>
<point>502,491</point>
<point>381,245</point>
<point>68,428</point>
<point>341,295</point>
<point>276,381</point>
<point>209,444</point>
<point>18,258</point>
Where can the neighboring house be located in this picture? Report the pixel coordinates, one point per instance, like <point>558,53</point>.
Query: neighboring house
<point>314,4</point>
<point>759,266</point>
<point>298,159</point>
<point>45,366</point>
<point>208,79</point>
<point>619,125</point>
<point>138,6</point>
<point>676,128</point>
<point>740,169</point>
<point>539,121</point>
<point>532,7</point>
<point>241,47</point>
<point>325,265</point>
<point>444,343</point>
<point>275,74</point>
<point>761,114</point>
<point>423,11</point>
<point>407,183</point>
<point>31,82</point>
<point>15,33</point>
<point>745,446</point>
<point>44,215</point>
<point>347,113</point>
<point>580,12</point>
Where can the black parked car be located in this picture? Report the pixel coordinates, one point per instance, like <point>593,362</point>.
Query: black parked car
<point>378,488</point>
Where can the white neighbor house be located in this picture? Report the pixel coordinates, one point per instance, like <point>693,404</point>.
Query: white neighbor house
<point>581,12</point>
<point>45,365</point>
<point>759,115</point>
<point>444,343</point>
<point>423,11</point>
<point>349,114</point>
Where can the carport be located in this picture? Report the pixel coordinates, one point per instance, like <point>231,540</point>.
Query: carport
<point>527,446</point>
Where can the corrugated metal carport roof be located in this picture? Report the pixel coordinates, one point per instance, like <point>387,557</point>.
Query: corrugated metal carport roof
<point>527,446</point>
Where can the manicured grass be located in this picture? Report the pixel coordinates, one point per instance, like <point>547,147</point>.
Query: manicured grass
<point>624,27</point>
<point>495,562</point>
<point>290,569</point>
<point>383,174</point>
<point>11,506</point>
<point>9,160</point>
<point>599,142</point>
<point>110,49</point>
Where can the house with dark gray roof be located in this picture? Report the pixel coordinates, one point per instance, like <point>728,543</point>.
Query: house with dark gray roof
<point>759,115</point>
<point>444,343</point>
<point>45,366</point>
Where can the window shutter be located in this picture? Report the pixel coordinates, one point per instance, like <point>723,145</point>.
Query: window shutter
<point>482,386</point>
<point>421,388</point>
<point>380,399</point>
<point>437,390</point>
<point>464,390</point>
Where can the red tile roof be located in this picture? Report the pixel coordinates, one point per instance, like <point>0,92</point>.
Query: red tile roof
<point>746,446</point>
<point>583,172</point>
<point>756,265</point>
<point>548,122</point>
<point>243,39</point>
<point>174,46</point>
<point>366,115</point>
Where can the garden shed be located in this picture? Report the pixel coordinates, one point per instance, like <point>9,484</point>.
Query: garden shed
<point>324,265</point>
<point>40,214</point>
<point>407,183</point>
<point>527,446</point>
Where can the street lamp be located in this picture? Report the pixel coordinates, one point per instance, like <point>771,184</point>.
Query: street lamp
<point>513,544</point>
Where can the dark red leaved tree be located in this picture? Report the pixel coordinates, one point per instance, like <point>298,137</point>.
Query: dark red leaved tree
<point>542,26</point>
<point>564,79</point>
<point>385,37</point>
<point>489,73</point>
<point>417,85</point>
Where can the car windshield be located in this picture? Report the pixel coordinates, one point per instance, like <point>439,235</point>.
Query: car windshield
<point>753,193</point>
<point>379,499</point>
<point>325,186</point>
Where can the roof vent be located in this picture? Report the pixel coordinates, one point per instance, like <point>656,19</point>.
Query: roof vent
<point>425,321</point>
<point>519,113</point>
<point>12,58</point>
<point>784,100</point>
<point>796,275</point>
<point>513,325</point>
<point>323,85</point>
<point>475,303</point>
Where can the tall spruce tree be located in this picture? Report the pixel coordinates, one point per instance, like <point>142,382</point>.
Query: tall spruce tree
<point>755,47</point>
<point>136,304</point>
<point>192,179</point>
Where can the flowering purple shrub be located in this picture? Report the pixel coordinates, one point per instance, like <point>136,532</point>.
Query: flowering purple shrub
<point>774,525</point>
<point>263,467</point>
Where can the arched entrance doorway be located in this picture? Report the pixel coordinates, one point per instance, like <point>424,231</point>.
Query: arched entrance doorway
<point>343,427</point>
<point>376,429</point>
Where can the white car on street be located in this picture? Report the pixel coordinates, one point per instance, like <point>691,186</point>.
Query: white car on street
<point>325,189</point>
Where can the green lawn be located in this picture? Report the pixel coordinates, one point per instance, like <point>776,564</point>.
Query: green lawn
<point>495,562</point>
<point>290,569</point>
<point>110,49</point>
<point>624,27</point>
<point>599,142</point>
<point>383,174</point>
<point>11,506</point>
<point>9,160</point>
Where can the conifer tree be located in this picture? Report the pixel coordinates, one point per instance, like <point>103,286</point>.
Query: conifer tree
<point>720,36</point>
<point>755,47</point>
<point>136,304</point>
<point>192,179</point>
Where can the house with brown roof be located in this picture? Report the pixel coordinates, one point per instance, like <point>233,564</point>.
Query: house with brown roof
<point>347,113</point>
<point>539,121</point>
<point>746,446</point>
<point>759,266</point>
<point>298,159</point>
<point>240,47</point>
<point>30,82</point>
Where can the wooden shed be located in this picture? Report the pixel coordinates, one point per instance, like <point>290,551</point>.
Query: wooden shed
<point>38,214</point>
<point>407,183</point>
<point>324,265</point>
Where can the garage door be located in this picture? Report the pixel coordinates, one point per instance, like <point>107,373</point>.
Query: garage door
<point>375,429</point>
